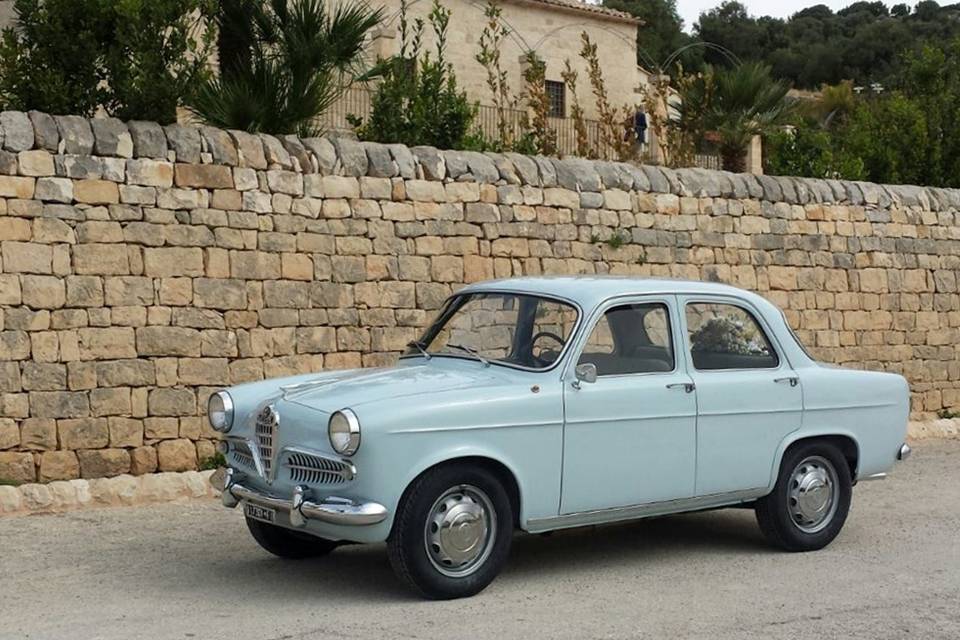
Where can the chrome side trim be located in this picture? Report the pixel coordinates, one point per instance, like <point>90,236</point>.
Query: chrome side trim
<point>331,510</point>
<point>635,512</point>
<point>873,476</point>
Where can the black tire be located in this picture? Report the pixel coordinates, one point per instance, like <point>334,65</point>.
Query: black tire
<point>777,514</point>
<point>407,544</point>
<point>284,543</point>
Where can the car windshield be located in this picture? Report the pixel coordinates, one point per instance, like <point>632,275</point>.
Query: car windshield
<point>504,328</point>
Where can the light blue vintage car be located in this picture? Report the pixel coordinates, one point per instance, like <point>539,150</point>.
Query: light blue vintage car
<point>547,403</point>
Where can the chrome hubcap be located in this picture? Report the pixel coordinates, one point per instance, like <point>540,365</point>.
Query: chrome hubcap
<point>812,496</point>
<point>460,530</point>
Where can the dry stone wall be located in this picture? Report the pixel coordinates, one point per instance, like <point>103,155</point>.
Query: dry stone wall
<point>145,266</point>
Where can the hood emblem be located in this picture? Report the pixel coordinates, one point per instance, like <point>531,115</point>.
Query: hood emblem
<point>268,416</point>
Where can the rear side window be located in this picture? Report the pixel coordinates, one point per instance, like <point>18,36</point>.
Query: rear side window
<point>725,336</point>
<point>631,338</point>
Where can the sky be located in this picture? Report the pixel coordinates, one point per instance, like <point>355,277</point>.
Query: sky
<point>690,10</point>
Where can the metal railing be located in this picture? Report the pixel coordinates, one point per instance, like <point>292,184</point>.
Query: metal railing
<point>357,102</point>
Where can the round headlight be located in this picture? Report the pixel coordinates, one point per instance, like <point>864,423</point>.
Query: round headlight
<point>220,411</point>
<point>344,432</point>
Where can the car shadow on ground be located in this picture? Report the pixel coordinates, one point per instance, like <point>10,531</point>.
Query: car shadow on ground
<point>355,572</point>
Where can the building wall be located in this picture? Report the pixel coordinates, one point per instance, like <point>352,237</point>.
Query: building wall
<point>181,260</point>
<point>552,32</point>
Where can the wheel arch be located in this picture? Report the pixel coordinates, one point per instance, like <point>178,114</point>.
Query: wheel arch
<point>500,469</point>
<point>842,439</point>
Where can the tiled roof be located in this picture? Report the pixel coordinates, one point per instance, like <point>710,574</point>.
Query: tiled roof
<point>595,9</point>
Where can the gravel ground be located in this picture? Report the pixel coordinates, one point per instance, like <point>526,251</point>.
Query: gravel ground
<point>190,570</point>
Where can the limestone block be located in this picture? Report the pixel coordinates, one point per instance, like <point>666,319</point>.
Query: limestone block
<point>167,341</point>
<point>96,191</point>
<point>43,292</point>
<point>37,162</point>
<point>111,138</point>
<point>100,259</point>
<point>149,140</point>
<point>176,455</point>
<point>143,460</point>
<point>76,134</point>
<point>107,343</point>
<point>203,176</point>
<point>110,401</point>
<point>14,345</point>
<point>128,290</point>
<point>45,134</point>
<point>59,465</point>
<point>172,402</point>
<point>83,433</point>
<point>103,463</point>
<point>59,404</point>
<point>43,376</point>
<point>17,466</point>
<point>125,432</point>
<point>150,173</point>
<point>220,145</point>
<point>17,131</point>
<point>173,261</point>
<point>10,434</point>
<point>184,141</point>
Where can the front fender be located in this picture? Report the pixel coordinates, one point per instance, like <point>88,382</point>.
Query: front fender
<point>531,453</point>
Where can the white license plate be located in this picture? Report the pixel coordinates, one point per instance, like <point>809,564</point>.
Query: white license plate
<point>263,514</point>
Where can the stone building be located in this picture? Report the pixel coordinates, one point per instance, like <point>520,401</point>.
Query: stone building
<point>549,28</point>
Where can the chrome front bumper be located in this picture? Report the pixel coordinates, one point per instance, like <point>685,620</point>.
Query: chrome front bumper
<point>331,510</point>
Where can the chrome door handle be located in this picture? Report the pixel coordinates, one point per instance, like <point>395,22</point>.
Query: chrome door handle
<point>793,380</point>
<point>686,386</point>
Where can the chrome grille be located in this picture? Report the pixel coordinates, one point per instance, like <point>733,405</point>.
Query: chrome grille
<point>241,454</point>
<point>266,431</point>
<point>313,469</point>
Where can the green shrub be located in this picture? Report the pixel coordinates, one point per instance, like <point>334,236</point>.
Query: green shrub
<point>418,101</point>
<point>213,462</point>
<point>809,151</point>
<point>137,58</point>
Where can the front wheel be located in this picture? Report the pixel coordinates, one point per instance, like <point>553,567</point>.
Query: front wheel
<point>285,543</point>
<point>452,532</point>
<point>809,504</point>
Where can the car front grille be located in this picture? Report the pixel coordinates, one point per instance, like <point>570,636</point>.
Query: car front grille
<point>266,432</point>
<point>241,455</point>
<point>313,469</point>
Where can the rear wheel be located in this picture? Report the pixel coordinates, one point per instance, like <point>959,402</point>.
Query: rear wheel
<point>285,543</point>
<point>809,504</point>
<point>452,532</point>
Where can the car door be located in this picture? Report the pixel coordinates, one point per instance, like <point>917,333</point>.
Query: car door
<point>630,435</point>
<point>748,396</point>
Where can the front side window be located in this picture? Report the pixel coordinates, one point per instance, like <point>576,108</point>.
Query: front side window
<point>507,328</point>
<point>725,336</point>
<point>630,338</point>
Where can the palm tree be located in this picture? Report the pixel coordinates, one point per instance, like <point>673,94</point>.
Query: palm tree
<point>745,102</point>
<point>283,63</point>
<point>732,106</point>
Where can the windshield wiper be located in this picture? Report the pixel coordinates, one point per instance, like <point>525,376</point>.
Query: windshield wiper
<point>472,352</point>
<point>420,347</point>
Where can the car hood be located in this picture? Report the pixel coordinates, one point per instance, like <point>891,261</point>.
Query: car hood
<point>361,386</point>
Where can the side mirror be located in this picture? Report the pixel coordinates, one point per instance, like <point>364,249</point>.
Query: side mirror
<point>586,372</point>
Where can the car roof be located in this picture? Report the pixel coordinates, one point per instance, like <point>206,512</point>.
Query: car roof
<point>590,290</point>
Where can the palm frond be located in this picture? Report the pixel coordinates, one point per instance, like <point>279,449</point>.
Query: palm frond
<point>296,59</point>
